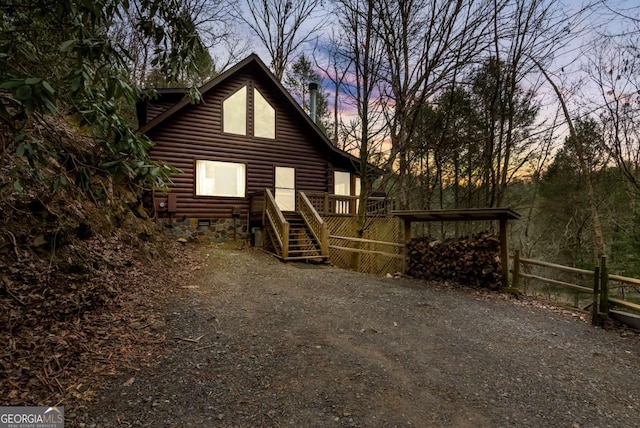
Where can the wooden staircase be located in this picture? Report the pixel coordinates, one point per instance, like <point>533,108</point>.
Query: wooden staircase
<point>300,236</point>
<point>302,244</point>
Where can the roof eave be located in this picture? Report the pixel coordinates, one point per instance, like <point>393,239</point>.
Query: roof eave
<point>253,58</point>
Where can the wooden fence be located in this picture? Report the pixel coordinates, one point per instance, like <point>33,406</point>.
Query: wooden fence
<point>599,291</point>
<point>378,251</point>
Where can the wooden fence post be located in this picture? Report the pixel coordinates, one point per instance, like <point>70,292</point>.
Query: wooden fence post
<point>516,269</point>
<point>324,240</point>
<point>604,287</point>
<point>596,289</point>
<point>407,239</point>
<point>285,241</point>
<point>326,204</point>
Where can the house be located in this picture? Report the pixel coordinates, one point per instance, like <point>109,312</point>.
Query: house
<point>245,145</point>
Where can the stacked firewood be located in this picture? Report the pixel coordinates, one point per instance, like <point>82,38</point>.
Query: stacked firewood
<point>473,260</point>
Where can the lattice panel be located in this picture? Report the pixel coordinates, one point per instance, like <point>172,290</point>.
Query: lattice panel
<point>268,240</point>
<point>379,229</point>
<point>342,226</point>
<point>340,258</point>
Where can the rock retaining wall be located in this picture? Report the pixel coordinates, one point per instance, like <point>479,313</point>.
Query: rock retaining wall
<point>212,230</point>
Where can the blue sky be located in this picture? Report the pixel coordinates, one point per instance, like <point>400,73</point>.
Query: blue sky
<point>569,63</point>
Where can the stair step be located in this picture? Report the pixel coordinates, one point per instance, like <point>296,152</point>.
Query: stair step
<point>303,238</point>
<point>304,241</point>
<point>302,244</point>
<point>306,258</point>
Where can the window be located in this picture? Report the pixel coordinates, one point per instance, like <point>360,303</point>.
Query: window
<point>264,117</point>
<point>234,115</point>
<point>342,187</point>
<point>342,183</point>
<point>234,110</point>
<point>220,179</point>
<point>285,188</point>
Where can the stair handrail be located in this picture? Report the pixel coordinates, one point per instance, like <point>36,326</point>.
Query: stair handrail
<point>279,224</point>
<point>316,224</point>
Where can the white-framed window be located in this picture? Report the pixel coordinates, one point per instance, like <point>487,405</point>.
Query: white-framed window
<point>234,113</point>
<point>264,117</point>
<point>285,187</point>
<point>215,178</point>
<point>342,187</point>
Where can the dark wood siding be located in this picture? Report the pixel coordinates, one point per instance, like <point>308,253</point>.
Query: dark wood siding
<point>155,108</point>
<point>196,133</point>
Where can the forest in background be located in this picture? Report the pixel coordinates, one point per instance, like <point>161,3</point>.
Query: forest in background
<point>531,104</point>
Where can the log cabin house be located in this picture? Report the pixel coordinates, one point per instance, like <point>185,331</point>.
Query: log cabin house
<point>251,160</point>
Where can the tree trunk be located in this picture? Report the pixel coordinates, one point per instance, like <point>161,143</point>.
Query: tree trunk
<point>593,205</point>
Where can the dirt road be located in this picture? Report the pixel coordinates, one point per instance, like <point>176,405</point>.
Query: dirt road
<point>254,342</point>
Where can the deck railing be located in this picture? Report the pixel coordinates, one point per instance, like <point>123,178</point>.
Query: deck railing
<point>277,221</point>
<point>336,205</point>
<point>317,225</point>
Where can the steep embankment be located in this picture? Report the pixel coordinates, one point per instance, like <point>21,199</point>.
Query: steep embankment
<point>76,268</point>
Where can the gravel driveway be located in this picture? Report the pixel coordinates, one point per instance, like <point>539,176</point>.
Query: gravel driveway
<point>255,342</point>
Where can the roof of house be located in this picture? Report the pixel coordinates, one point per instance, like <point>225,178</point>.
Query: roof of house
<point>253,60</point>
<point>458,214</point>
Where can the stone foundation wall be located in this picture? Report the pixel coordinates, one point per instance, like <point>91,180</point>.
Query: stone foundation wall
<point>211,230</point>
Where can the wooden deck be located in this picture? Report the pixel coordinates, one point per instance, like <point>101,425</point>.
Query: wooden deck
<point>325,227</point>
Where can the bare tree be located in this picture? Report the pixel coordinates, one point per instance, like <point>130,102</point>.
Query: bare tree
<point>361,51</point>
<point>426,42</point>
<point>614,68</point>
<point>209,19</point>
<point>281,26</point>
<point>525,32</point>
<point>331,63</point>
<point>579,149</point>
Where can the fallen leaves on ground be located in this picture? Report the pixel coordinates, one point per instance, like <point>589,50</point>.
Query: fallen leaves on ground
<point>67,325</point>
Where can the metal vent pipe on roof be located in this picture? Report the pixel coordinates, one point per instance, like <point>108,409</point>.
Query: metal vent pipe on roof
<point>313,100</point>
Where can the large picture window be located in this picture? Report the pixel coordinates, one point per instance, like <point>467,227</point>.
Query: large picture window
<point>220,179</point>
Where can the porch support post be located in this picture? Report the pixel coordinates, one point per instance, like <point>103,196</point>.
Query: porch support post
<point>504,252</point>
<point>285,241</point>
<point>407,239</point>
<point>595,316</point>
<point>515,276</point>
<point>604,287</point>
<point>264,210</point>
<point>326,204</point>
<point>324,244</point>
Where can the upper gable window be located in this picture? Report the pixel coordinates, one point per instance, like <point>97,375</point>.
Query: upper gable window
<point>234,120</point>
<point>264,117</point>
